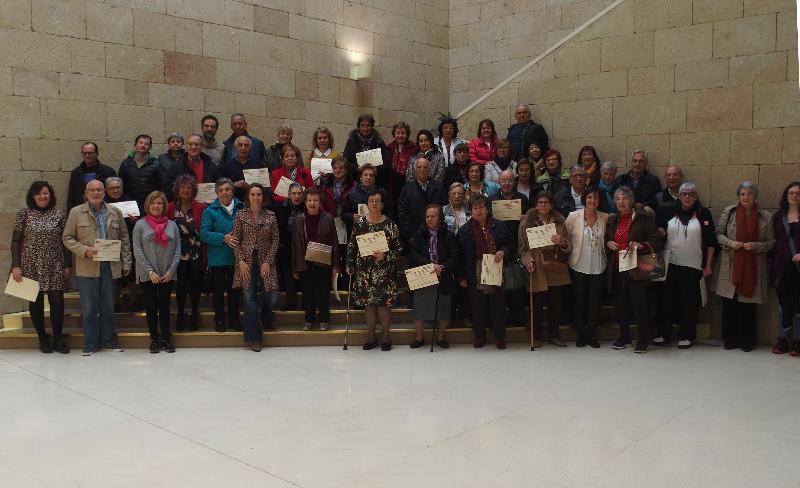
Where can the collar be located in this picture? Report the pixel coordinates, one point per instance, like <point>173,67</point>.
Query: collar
<point>319,154</point>
<point>674,196</point>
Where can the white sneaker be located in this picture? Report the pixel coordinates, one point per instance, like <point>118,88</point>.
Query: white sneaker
<point>684,344</point>
<point>658,341</point>
<point>323,326</point>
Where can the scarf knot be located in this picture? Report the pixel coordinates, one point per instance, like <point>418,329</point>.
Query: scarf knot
<point>159,226</point>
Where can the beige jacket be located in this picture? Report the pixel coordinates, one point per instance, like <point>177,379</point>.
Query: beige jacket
<point>726,233</point>
<point>80,233</point>
<point>574,225</point>
<point>543,279</point>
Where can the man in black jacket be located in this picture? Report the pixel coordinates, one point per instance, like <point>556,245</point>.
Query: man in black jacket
<point>568,200</point>
<point>239,128</point>
<point>141,173</point>
<point>195,163</point>
<point>525,132</point>
<point>644,184</point>
<point>89,169</point>
<point>667,201</point>
<point>415,197</point>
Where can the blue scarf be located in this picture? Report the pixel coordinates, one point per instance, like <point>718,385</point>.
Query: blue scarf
<point>609,195</point>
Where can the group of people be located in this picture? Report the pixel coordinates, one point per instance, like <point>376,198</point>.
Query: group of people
<point>433,199</point>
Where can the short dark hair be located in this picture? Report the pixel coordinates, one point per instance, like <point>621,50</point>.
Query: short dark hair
<point>365,167</point>
<point>290,147</point>
<point>263,192</point>
<point>368,117</point>
<point>784,203</point>
<point>552,152</point>
<point>209,117</point>
<point>448,120</point>
<point>588,191</point>
<point>35,188</point>
<point>143,136</point>
<point>479,165</point>
<point>542,194</point>
<point>375,191</point>
<point>184,179</point>
<point>426,133</point>
<point>403,125</point>
<point>94,144</point>
<point>488,122</point>
<point>593,151</point>
<point>313,190</point>
<point>478,199</point>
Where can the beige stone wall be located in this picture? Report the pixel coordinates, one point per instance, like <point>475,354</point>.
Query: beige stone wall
<point>75,70</point>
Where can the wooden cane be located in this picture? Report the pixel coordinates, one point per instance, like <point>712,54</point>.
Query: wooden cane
<point>530,297</point>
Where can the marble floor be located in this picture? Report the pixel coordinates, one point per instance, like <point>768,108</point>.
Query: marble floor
<point>323,417</point>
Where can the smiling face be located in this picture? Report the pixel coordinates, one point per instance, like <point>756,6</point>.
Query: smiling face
<point>95,192</point>
<point>238,125</point>
<point>592,201</point>
<point>793,195</point>
<point>42,197</point>
<point>296,195</point>
<point>486,131</point>
<point>456,197</point>
<point>365,128</point>
<point>255,197</point>
<point>225,194</point>
<point>534,152</point>
<point>285,136</point>
<point>175,145</point>
<point>422,169</point>
<point>474,175</point>
<point>400,135</point>
<point>687,198</point>
<point>577,179</point>
<point>608,175</point>
<point>156,208</point>
<point>114,189</point>
<point>375,203</point>
<point>289,159</point>
<point>587,158</point>
<point>673,177</point>
<point>638,163</point>
<point>623,203</point>
<point>312,204</point>
<point>424,142</point>
<point>506,182</point>
<point>524,173</point>
<point>243,145</point>
<point>432,218</point>
<point>522,114</point>
<point>89,154</point>
<point>338,169</point>
<point>185,192</point>
<point>323,141</point>
<point>194,146</point>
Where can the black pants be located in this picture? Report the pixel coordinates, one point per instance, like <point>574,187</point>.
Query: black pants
<point>222,276</point>
<point>56,299</point>
<point>285,270</point>
<point>316,282</point>
<point>738,323</point>
<point>586,292</point>
<point>680,298</point>
<point>190,281</point>
<point>461,307</point>
<point>496,303</point>
<point>553,298</point>
<point>156,297</point>
<point>631,296</point>
<point>516,306</point>
<point>788,290</point>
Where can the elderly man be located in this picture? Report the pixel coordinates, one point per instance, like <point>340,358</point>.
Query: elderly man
<point>239,128</point>
<point>196,164</point>
<point>667,200</point>
<point>273,154</point>
<point>415,197</point>
<point>211,148</point>
<point>89,169</point>
<point>86,224</point>
<point>644,184</point>
<point>141,172</point>
<point>233,168</point>
<point>525,132</point>
<point>569,199</point>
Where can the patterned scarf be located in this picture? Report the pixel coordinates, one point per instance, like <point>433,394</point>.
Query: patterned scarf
<point>484,241</point>
<point>366,143</point>
<point>159,225</point>
<point>433,246</point>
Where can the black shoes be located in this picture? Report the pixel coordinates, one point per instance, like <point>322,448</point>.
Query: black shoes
<point>155,347</point>
<point>479,342</point>
<point>167,346</point>
<point>45,346</point>
<point>593,343</point>
<point>621,343</point>
<point>580,343</point>
<point>500,344</point>
<point>417,344</point>
<point>180,322</point>
<point>194,321</point>
<point>443,344</point>
<point>236,325</point>
<point>219,326</point>
<point>641,347</point>
<point>369,345</point>
<point>781,347</point>
<point>386,346</point>
<point>60,346</point>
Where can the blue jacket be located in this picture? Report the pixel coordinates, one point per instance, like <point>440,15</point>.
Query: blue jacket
<point>217,222</point>
<point>466,241</point>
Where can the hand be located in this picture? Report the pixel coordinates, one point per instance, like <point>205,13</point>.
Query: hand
<point>707,271</point>
<point>167,277</point>
<point>498,256</point>
<point>132,218</point>
<point>635,245</point>
<point>555,239</point>
<point>90,252</point>
<point>335,272</point>
<point>378,255</point>
<point>154,278</point>
<point>17,272</point>
<point>736,245</point>
<point>438,268</point>
<point>749,246</point>
<point>349,271</point>
<point>531,266</point>
<point>229,240</point>
<point>264,270</point>
<point>241,184</point>
<point>244,270</point>
<point>638,206</point>
<point>612,245</point>
<point>796,258</point>
<point>67,273</point>
<point>296,275</point>
<point>661,232</point>
<point>126,272</point>
<point>462,282</point>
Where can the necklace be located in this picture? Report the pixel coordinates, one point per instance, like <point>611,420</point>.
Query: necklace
<point>618,233</point>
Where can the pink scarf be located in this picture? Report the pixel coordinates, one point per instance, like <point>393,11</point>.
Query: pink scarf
<point>158,225</point>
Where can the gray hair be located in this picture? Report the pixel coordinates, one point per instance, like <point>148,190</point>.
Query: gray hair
<point>688,187</point>
<point>608,165</point>
<point>175,135</point>
<point>114,179</point>
<point>421,159</point>
<point>746,185</point>
<point>640,151</point>
<point>506,172</point>
<point>627,191</point>
<point>575,168</point>
<point>222,182</point>
<point>525,106</point>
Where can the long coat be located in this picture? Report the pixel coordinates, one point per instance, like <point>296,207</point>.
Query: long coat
<point>261,235</point>
<point>543,279</point>
<point>446,247</point>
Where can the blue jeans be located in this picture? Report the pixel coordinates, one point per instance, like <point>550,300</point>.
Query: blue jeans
<point>252,300</point>
<point>98,293</point>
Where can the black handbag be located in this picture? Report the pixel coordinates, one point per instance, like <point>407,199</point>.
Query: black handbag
<point>515,276</point>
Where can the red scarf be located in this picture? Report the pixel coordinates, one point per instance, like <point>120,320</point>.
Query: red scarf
<point>484,242</point>
<point>744,262</point>
<point>159,225</point>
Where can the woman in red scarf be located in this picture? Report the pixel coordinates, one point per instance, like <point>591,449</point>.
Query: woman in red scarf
<point>744,232</point>
<point>157,247</point>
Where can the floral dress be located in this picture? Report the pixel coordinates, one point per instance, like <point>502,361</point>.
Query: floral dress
<point>374,283</point>
<point>43,257</point>
<point>190,239</point>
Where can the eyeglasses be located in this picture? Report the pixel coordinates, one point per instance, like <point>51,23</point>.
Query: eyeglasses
<point>88,153</point>
<point>687,194</point>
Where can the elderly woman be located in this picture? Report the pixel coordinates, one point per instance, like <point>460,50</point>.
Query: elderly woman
<point>37,253</point>
<point>215,231</point>
<point>365,138</point>
<point>286,213</point>
<point>744,232</point>
<point>448,140</point>
<point>785,272</point>
<point>476,184</point>
<point>632,231</point>
<point>608,185</point>
<point>290,169</point>
<point>187,213</point>
<point>315,227</point>
<point>256,231</point>
<point>587,157</point>
<point>481,236</point>
<point>550,273</point>
<point>434,244</point>
<point>692,243</point>
<point>587,264</point>
<point>455,212</point>
<point>374,276</point>
<point>483,146</point>
<point>157,247</point>
<point>526,184</point>
<point>555,177</point>
<point>357,197</point>
<point>430,152</point>
<point>174,154</point>
<point>501,162</point>
<point>402,151</point>
<point>457,171</point>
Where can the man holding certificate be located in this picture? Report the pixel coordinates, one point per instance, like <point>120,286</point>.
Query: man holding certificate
<point>89,225</point>
<point>485,245</point>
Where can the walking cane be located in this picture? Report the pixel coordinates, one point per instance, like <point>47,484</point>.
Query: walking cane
<point>435,318</point>
<point>530,296</point>
<point>347,316</point>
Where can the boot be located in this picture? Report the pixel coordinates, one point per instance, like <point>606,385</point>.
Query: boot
<point>44,345</point>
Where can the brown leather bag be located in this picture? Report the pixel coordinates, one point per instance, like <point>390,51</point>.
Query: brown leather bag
<point>648,266</point>
<point>552,260</point>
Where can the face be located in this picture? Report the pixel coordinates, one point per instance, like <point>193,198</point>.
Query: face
<point>114,189</point>
<point>185,192</point>
<point>401,135</point>
<point>284,136</point>
<point>367,178</point>
<point>375,203</point>
<point>746,197</point>
<point>312,204</point>
<point>506,182</point>
<point>638,163</point>
<point>474,174</point>
<point>225,194</point>
<point>623,203</point>
<point>323,141</point>
<point>243,147</point>
<point>296,195</point>
<point>338,170</point>
<point>448,131</point>
<point>143,145</point>
<point>194,146</point>
<point>578,178</point>
<point>551,163</point>
<point>175,144</point>
<point>156,207</point>
<point>486,131</point>
<point>502,152</point>
<point>461,156</point>
<point>522,114</point>
<point>290,159</point>
<point>457,197</point>
<point>608,175</point>
<point>95,192</point>
<point>238,125</point>
<point>524,173</point>
<point>587,158</point>
<point>793,195</point>
<point>424,142</point>
<point>673,177</point>
<point>688,198</point>
<point>89,155</point>
<point>42,197</point>
<point>422,170</point>
<point>432,218</point>
<point>365,128</point>
<point>535,152</point>
<point>480,213</point>
<point>255,197</point>
<point>210,128</point>
<point>592,201</point>
<point>543,206</point>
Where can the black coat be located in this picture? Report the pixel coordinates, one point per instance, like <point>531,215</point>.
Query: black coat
<point>356,196</point>
<point>78,179</point>
<point>257,150</point>
<point>563,201</point>
<point>645,191</point>
<point>353,147</point>
<point>453,174</point>
<point>466,241</point>
<point>234,170</point>
<point>210,172</point>
<point>139,182</point>
<point>512,225</point>
<point>664,207</point>
<point>412,202</point>
<point>448,250</point>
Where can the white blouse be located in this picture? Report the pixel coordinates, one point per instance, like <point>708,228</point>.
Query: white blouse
<point>685,243</point>
<point>592,257</point>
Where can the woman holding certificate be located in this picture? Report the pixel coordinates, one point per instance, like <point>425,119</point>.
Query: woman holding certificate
<point>365,138</point>
<point>373,273</point>
<point>322,141</point>
<point>38,254</point>
<point>256,232</point>
<point>357,198</point>
<point>157,247</point>
<point>434,244</point>
<point>547,263</point>
<point>291,171</point>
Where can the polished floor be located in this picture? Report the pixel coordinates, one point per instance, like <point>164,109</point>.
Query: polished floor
<point>323,417</point>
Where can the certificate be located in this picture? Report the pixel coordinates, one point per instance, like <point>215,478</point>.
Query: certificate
<point>27,289</point>
<point>282,189</point>
<point>258,175</point>
<point>320,166</point>
<point>372,242</point>
<point>665,254</point>
<point>341,230</point>
<point>363,209</point>
<point>373,157</point>
<point>128,209</point>
<point>491,272</point>
<point>206,192</point>
<point>507,209</point>
<point>421,277</point>
<point>541,236</point>
<point>107,249</point>
<point>628,259</point>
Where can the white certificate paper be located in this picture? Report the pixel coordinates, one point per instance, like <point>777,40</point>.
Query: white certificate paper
<point>27,289</point>
<point>421,277</point>
<point>363,209</point>
<point>206,193</point>
<point>373,157</point>
<point>372,242</point>
<point>507,209</point>
<point>282,189</point>
<point>107,249</point>
<point>628,259</point>
<point>128,209</point>
<point>540,236</point>
<point>491,272</point>
<point>259,175</point>
<point>320,166</point>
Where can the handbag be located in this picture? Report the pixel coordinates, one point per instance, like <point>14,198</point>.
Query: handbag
<point>648,266</point>
<point>514,276</point>
<point>552,261</point>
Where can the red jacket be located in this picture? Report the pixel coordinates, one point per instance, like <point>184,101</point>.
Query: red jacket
<point>303,177</point>
<point>479,151</point>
